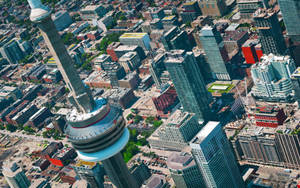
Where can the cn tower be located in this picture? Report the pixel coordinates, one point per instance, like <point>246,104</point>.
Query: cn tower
<point>95,128</point>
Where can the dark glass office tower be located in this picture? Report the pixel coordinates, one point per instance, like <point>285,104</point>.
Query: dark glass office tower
<point>290,10</point>
<point>216,53</point>
<point>270,34</point>
<point>189,83</point>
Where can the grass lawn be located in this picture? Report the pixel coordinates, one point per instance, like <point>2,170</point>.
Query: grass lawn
<point>226,90</point>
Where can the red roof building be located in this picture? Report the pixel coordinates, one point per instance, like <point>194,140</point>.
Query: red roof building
<point>165,100</point>
<point>249,51</point>
<point>269,116</point>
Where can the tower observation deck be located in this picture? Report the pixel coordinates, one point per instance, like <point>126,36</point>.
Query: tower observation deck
<point>95,128</point>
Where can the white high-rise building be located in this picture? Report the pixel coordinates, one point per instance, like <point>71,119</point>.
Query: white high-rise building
<point>212,152</point>
<point>272,78</point>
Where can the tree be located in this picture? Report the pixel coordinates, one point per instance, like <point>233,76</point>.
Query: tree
<point>2,127</point>
<point>137,119</point>
<point>129,116</point>
<point>142,142</point>
<point>107,40</point>
<point>20,127</point>
<point>133,135</point>
<point>69,39</point>
<point>28,129</point>
<point>11,128</point>
<point>151,3</point>
<point>156,123</point>
<point>188,24</point>
<point>150,119</point>
<point>45,134</point>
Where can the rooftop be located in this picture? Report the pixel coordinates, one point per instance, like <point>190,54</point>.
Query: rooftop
<point>204,132</point>
<point>126,48</point>
<point>297,72</point>
<point>267,109</point>
<point>156,181</point>
<point>178,118</point>
<point>85,164</point>
<point>190,3</point>
<point>263,13</point>
<point>128,56</point>
<point>133,35</point>
<point>90,8</point>
<point>234,35</point>
<point>168,18</point>
<point>267,59</point>
<point>179,161</point>
<point>250,42</point>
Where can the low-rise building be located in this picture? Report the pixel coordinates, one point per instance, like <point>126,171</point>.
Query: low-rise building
<point>269,116</point>
<point>122,97</point>
<point>63,156</point>
<point>234,40</point>
<point>157,181</point>
<point>92,172</point>
<point>130,61</point>
<point>140,172</point>
<point>91,12</point>
<point>165,100</point>
<point>140,39</point>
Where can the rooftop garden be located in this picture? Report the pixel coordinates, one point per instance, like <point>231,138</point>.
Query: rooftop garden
<point>220,88</point>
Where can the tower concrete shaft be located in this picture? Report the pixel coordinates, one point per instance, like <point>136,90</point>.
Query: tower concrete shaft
<point>80,96</point>
<point>118,172</point>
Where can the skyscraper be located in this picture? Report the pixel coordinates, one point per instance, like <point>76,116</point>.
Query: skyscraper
<point>184,171</point>
<point>213,7</point>
<point>15,175</point>
<point>12,52</point>
<point>175,39</point>
<point>156,68</point>
<point>290,10</point>
<point>190,11</point>
<point>215,51</point>
<point>95,128</point>
<point>188,83</point>
<point>214,157</point>
<point>272,78</point>
<point>270,34</point>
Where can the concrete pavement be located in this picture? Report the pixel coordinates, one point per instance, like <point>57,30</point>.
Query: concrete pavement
<point>32,137</point>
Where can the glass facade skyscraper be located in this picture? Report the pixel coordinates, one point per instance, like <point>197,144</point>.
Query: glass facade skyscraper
<point>214,157</point>
<point>270,34</point>
<point>188,83</point>
<point>291,16</point>
<point>215,51</point>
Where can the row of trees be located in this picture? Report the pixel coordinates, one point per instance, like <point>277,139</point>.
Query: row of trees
<point>55,134</point>
<point>13,128</point>
<point>107,40</point>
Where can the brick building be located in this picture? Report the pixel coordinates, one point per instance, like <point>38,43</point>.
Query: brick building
<point>165,100</point>
<point>269,116</point>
